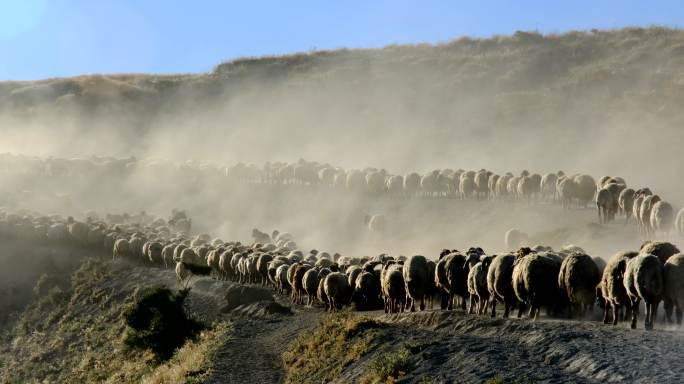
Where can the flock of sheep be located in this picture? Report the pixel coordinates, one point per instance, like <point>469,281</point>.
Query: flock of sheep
<point>611,194</point>
<point>567,282</point>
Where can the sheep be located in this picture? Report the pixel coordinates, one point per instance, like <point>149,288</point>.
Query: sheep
<point>154,252</point>
<point>644,281</point>
<point>78,231</point>
<point>337,290</point>
<point>512,187</point>
<point>626,202</point>
<point>395,185</point>
<point>182,273</point>
<point>491,185</point>
<point>457,270</point>
<point>412,184</point>
<point>415,273</point>
<point>514,239</point>
<point>282,283</point>
<point>586,189</point>
<point>393,287</point>
<point>499,283</point>
<point>375,183</point>
<point>298,283</point>
<point>367,291</point>
<point>645,213</point>
<point>262,267</point>
<point>481,184</point>
<point>679,222</point>
<point>477,285</point>
<point>356,181</point>
<point>121,249</point>
<point>535,282</point>
<point>352,273</point>
<point>178,250</point>
<point>548,186</point>
<point>612,286</point>
<point>502,186</point>
<point>441,281</point>
<point>662,217</point>
<point>467,186</point>
<point>673,273</point>
<point>567,191</point>
<point>167,254</point>
<point>225,271</point>
<point>606,205</point>
<point>375,223</point>
<point>661,249</point>
<point>320,291</point>
<point>636,209</point>
<point>578,278</point>
<point>527,188</point>
<point>310,284</point>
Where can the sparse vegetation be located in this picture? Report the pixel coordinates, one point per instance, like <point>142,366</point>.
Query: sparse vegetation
<point>192,362</point>
<point>78,334</point>
<point>321,355</point>
<point>498,379</point>
<point>389,366</point>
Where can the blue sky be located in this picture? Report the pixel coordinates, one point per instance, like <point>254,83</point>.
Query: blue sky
<point>50,38</point>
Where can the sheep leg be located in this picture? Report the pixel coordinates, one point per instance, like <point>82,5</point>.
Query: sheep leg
<point>654,313</point>
<point>463,303</point>
<point>678,313</point>
<point>521,309</point>
<point>648,321</point>
<point>605,313</point>
<point>507,310</point>
<point>615,313</point>
<point>471,305</point>
<point>635,313</point>
<point>422,304</point>
<point>668,305</point>
<point>493,308</point>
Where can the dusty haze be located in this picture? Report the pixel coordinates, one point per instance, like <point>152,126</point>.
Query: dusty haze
<point>599,102</point>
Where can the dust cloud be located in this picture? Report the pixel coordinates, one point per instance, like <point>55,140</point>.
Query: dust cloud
<point>602,103</point>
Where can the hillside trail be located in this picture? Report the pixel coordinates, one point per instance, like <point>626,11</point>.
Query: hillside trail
<point>451,346</point>
<point>254,352</point>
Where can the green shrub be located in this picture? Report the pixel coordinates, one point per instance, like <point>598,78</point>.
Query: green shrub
<point>391,365</point>
<point>157,321</point>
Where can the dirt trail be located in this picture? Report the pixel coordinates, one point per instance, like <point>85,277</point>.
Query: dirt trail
<point>454,347</point>
<point>253,354</point>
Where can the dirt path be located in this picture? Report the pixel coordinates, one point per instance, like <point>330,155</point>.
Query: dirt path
<point>253,354</point>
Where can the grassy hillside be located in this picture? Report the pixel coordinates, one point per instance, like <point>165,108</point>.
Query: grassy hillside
<point>636,64</point>
<point>74,332</point>
<point>589,96</point>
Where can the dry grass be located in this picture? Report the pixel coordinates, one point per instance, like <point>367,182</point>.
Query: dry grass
<point>389,366</point>
<point>192,362</point>
<point>75,335</point>
<point>321,355</point>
